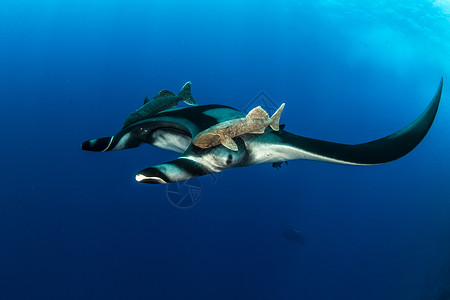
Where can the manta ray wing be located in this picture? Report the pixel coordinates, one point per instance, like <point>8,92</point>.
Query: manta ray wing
<point>282,145</point>
<point>172,129</point>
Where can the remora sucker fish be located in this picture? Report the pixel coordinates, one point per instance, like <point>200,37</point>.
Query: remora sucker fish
<point>163,100</point>
<point>223,133</point>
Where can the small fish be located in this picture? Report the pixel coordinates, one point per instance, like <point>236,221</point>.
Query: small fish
<point>223,133</point>
<point>163,100</point>
<point>277,165</point>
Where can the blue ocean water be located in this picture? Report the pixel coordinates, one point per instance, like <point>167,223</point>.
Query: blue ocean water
<point>76,225</point>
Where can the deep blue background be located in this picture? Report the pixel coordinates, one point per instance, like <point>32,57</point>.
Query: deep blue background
<point>76,225</point>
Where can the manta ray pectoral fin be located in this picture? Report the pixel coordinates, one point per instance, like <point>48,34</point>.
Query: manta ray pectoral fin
<point>380,151</point>
<point>176,170</point>
<point>228,142</point>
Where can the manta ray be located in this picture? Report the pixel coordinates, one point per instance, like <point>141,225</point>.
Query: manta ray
<point>174,128</point>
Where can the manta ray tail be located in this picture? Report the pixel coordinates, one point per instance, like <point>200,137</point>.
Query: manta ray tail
<point>176,170</point>
<point>276,118</point>
<point>185,94</point>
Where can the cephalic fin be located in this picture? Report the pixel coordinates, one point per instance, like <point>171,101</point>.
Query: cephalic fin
<point>179,169</point>
<point>258,113</point>
<point>228,142</point>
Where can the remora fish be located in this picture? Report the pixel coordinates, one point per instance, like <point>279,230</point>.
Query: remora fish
<point>163,100</point>
<point>223,133</point>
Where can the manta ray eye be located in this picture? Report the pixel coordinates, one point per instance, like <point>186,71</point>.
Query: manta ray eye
<point>229,159</point>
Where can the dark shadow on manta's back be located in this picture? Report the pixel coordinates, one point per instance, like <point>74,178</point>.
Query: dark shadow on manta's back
<point>294,235</point>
